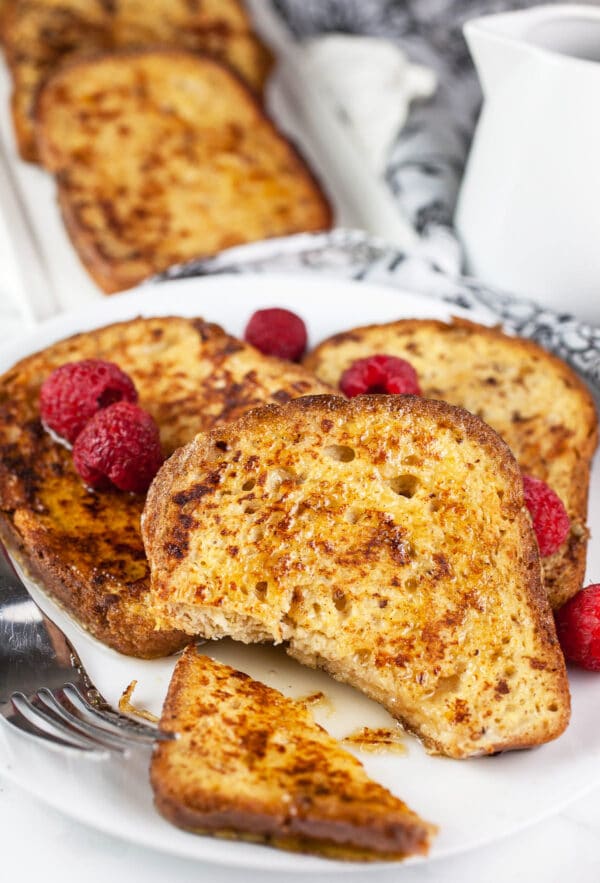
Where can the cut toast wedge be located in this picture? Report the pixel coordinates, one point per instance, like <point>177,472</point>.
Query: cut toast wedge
<point>85,547</point>
<point>384,539</point>
<point>41,35</point>
<point>172,159</point>
<point>251,764</point>
<point>534,400</point>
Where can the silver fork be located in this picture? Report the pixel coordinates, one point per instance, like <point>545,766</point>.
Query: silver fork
<point>44,689</point>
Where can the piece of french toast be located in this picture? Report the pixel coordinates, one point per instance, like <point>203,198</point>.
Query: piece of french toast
<point>41,35</point>
<point>536,402</point>
<point>85,547</point>
<point>384,539</point>
<point>3,7</point>
<point>252,764</point>
<point>172,159</point>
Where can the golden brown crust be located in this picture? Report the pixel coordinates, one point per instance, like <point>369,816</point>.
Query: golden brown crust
<point>109,277</point>
<point>4,4</point>
<point>86,548</point>
<point>116,620</point>
<point>221,173</point>
<point>41,35</point>
<point>385,539</point>
<point>250,763</point>
<point>25,142</point>
<point>537,403</point>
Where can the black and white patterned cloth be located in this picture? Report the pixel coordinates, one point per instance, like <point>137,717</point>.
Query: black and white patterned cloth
<point>423,172</point>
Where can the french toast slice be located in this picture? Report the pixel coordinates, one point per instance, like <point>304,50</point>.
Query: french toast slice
<point>41,35</point>
<point>385,540</point>
<point>172,159</point>
<point>85,547</point>
<point>252,764</point>
<point>533,399</point>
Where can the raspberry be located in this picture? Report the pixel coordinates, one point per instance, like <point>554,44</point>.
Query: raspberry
<point>120,445</point>
<point>277,332</point>
<point>578,628</point>
<point>550,520</point>
<point>380,374</point>
<point>73,393</point>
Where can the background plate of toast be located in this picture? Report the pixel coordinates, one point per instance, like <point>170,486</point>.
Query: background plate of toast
<point>473,801</point>
<point>50,273</point>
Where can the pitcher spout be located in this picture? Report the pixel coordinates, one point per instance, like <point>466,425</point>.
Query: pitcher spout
<point>497,44</point>
<point>513,41</point>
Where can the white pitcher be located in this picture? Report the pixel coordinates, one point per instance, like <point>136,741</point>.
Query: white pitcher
<point>529,207</point>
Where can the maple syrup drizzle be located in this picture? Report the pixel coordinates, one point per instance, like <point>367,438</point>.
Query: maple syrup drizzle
<point>377,740</point>
<point>318,698</point>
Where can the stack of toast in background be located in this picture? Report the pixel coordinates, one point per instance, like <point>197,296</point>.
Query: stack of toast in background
<point>150,117</point>
<point>42,35</point>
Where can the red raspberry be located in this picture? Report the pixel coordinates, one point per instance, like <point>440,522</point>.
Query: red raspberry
<point>550,520</point>
<point>73,393</point>
<point>380,374</point>
<point>578,628</point>
<point>119,445</point>
<point>277,332</point>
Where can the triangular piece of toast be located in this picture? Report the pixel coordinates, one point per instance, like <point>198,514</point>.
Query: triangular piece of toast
<point>86,548</point>
<point>252,764</point>
<point>172,160</point>
<point>40,36</point>
<point>384,539</point>
<point>538,404</point>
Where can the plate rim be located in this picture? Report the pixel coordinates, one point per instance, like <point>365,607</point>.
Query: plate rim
<point>152,290</point>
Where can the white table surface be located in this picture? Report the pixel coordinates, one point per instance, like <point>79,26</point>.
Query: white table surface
<point>39,843</point>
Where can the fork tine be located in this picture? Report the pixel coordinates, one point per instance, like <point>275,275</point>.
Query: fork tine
<point>35,722</point>
<point>112,740</point>
<point>134,731</point>
<point>17,720</point>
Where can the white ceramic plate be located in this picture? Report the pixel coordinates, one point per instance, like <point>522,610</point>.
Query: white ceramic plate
<point>473,802</point>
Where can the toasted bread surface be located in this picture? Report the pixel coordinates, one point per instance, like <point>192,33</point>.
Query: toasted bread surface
<point>41,35</point>
<point>385,540</point>
<point>172,159</point>
<point>250,763</point>
<point>535,401</point>
<point>86,547</point>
